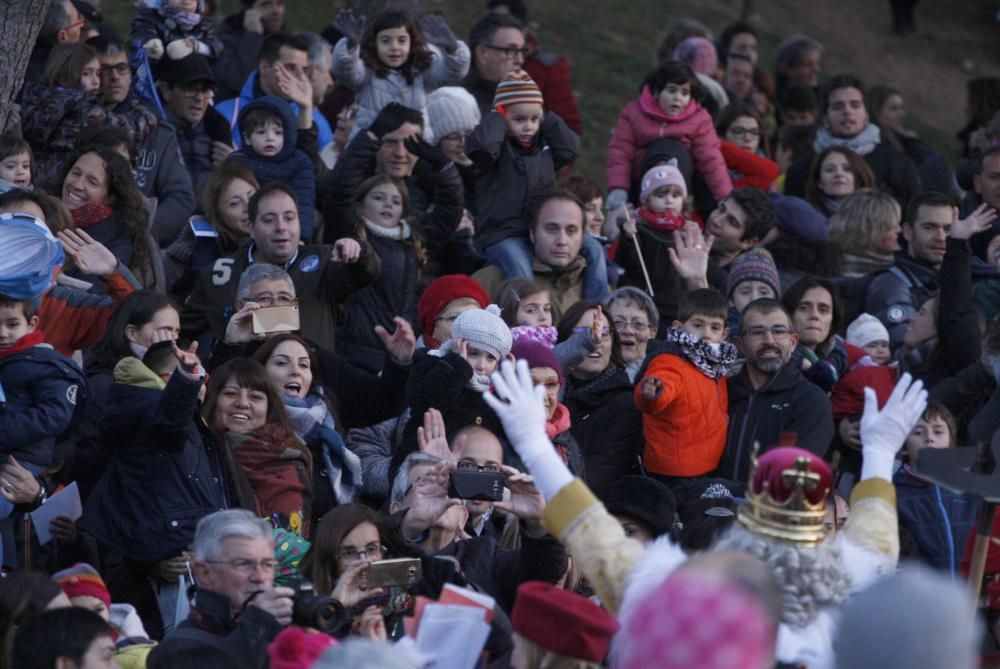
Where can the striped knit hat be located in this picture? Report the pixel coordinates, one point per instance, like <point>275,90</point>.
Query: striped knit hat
<point>517,88</point>
<point>82,580</point>
<point>754,265</point>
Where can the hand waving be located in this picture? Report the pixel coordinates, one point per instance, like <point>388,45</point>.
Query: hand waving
<point>402,343</point>
<point>432,438</point>
<point>188,360</point>
<point>438,33</point>
<point>976,222</point>
<point>350,26</point>
<point>884,432</point>
<point>690,255</point>
<point>90,256</point>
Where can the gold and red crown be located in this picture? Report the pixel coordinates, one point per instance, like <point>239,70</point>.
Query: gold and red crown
<point>786,496</point>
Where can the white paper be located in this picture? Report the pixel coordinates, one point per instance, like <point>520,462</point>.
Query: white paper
<point>66,502</point>
<point>453,635</point>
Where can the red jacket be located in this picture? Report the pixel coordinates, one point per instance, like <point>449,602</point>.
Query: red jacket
<point>73,319</point>
<point>552,75</point>
<point>685,427</point>
<point>643,122</point>
<point>754,171</point>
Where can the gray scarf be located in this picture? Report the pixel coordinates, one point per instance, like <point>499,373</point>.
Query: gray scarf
<point>862,143</point>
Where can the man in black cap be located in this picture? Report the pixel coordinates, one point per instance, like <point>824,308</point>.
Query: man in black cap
<point>203,134</point>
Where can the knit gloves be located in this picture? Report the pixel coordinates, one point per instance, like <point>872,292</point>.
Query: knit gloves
<point>884,432</point>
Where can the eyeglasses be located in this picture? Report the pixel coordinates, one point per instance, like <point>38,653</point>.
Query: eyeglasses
<point>194,90</point>
<point>508,51</point>
<point>267,300</point>
<point>552,387</point>
<point>759,332</point>
<point>635,324</point>
<point>745,132</point>
<point>470,466</point>
<point>121,69</point>
<point>245,566</point>
<point>351,554</point>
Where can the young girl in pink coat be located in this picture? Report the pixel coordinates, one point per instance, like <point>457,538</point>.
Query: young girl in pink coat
<point>667,108</point>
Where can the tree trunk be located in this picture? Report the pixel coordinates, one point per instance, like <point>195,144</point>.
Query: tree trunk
<point>20,21</point>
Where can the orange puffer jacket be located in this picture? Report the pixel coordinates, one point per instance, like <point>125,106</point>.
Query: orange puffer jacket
<point>685,427</point>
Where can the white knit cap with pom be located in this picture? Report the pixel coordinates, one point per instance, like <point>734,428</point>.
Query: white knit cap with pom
<point>866,329</point>
<point>485,330</point>
<point>451,109</point>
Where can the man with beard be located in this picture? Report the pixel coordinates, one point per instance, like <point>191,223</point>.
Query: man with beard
<point>767,398</point>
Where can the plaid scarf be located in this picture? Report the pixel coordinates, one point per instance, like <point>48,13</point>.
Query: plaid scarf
<point>314,423</point>
<point>711,362</point>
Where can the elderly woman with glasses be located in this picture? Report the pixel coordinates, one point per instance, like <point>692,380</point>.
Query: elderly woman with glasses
<point>635,318</point>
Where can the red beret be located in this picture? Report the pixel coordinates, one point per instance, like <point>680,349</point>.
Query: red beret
<point>562,621</point>
<point>436,297</point>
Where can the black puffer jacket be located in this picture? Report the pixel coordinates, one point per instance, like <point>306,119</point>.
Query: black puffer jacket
<point>607,426</point>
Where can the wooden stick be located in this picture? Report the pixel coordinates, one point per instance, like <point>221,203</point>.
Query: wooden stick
<point>638,252</point>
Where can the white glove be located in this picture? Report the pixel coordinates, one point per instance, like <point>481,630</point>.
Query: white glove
<point>179,48</point>
<point>154,49</point>
<point>520,405</point>
<point>884,432</point>
<point>616,198</point>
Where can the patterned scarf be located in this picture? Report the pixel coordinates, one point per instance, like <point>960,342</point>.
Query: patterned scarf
<point>862,143</point>
<point>713,363</point>
<point>91,214</point>
<point>313,422</point>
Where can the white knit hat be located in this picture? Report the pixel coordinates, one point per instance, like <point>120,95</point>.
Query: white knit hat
<point>451,109</point>
<point>485,330</point>
<point>866,329</point>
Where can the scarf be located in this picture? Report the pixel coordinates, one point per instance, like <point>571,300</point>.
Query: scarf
<point>314,423</point>
<point>862,143</point>
<point>398,233</point>
<point>179,17</point>
<point>575,387</point>
<point>91,214</point>
<point>479,383</point>
<point>545,335</point>
<point>24,343</point>
<point>559,422</point>
<point>661,220</point>
<point>713,363</point>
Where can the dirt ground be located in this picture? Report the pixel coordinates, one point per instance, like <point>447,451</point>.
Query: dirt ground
<point>955,40</point>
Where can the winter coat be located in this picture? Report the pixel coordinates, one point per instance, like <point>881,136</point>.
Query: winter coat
<point>239,57</point>
<point>685,427</point>
<point>939,520</point>
<point>786,403</point>
<point>565,286</point>
<point>184,260</point>
<point>552,75</point>
<point>483,91</point>
<point>511,176</point>
<point>195,143</point>
<point>44,394</point>
<point>899,292</point>
<point>607,425</point>
<point>748,170</point>
<point>231,108</point>
<point>373,92</point>
<point>374,445</point>
<point>151,23</point>
<point>643,122</point>
<point>320,284</point>
<point>75,319</point>
<point>848,397</point>
<point>162,477</point>
<point>289,166</point>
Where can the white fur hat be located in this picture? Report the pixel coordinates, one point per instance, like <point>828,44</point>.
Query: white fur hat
<point>866,329</point>
<point>451,109</point>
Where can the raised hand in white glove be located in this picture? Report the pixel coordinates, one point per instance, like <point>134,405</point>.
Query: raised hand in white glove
<point>154,49</point>
<point>884,432</point>
<point>180,48</point>
<point>520,405</point>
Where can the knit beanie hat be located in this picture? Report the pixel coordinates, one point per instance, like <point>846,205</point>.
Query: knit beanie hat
<point>562,622</point>
<point>537,354</point>
<point>451,109</point>
<point>754,265</point>
<point>796,217</point>
<point>82,580</point>
<point>916,618</point>
<point>485,330</point>
<point>659,176</point>
<point>698,53</point>
<point>694,620</point>
<point>517,88</point>
<point>866,329</point>
<point>440,293</point>
<point>295,648</point>
<point>647,500</point>
<point>289,549</point>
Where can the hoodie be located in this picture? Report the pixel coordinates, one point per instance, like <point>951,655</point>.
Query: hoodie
<point>290,165</point>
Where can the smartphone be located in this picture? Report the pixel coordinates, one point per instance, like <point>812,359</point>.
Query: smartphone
<point>401,573</point>
<point>276,319</point>
<point>485,486</point>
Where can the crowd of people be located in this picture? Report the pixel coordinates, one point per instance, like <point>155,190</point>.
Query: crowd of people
<point>307,339</point>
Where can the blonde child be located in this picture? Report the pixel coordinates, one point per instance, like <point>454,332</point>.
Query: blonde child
<point>667,108</point>
<point>17,163</point>
<point>389,60</point>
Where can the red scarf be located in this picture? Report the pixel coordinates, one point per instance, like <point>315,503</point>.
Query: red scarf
<point>661,220</point>
<point>91,214</point>
<point>559,422</point>
<point>27,341</point>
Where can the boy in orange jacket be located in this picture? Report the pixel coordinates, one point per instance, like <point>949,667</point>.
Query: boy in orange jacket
<point>683,393</point>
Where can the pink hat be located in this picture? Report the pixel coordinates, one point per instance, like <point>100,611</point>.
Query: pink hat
<point>659,176</point>
<point>698,53</point>
<point>693,620</point>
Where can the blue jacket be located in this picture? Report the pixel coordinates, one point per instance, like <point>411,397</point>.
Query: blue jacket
<point>939,520</point>
<point>232,107</point>
<point>290,166</point>
<point>163,476</point>
<point>43,392</point>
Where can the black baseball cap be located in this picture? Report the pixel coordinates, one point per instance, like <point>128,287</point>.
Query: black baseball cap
<point>193,68</point>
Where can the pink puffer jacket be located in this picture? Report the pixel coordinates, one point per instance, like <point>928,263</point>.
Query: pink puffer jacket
<point>643,121</point>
